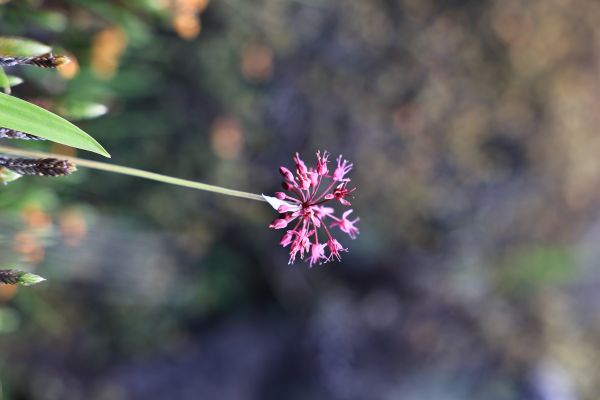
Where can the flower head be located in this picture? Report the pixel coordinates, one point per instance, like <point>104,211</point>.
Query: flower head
<point>302,211</point>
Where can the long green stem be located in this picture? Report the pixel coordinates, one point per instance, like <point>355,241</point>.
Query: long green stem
<point>132,172</point>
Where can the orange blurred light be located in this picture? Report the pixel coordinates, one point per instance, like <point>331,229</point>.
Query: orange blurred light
<point>186,20</point>
<point>69,70</point>
<point>187,25</point>
<point>257,62</point>
<point>61,149</point>
<point>197,6</point>
<point>7,292</point>
<point>73,226</point>
<point>28,245</point>
<point>35,218</point>
<point>107,47</point>
<point>226,138</point>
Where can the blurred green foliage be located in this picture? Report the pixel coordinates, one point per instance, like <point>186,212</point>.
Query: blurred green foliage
<point>533,269</point>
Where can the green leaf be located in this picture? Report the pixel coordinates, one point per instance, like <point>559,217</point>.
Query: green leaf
<point>7,176</point>
<point>14,80</point>
<point>8,81</point>
<point>18,47</point>
<point>22,116</point>
<point>4,81</point>
<point>77,110</point>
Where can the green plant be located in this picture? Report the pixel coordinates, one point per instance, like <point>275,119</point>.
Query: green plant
<point>23,120</point>
<point>20,119</point>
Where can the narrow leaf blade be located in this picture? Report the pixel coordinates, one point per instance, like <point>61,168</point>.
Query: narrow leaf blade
<point>22,116</point>
<point>78,110</point>
<point>4,81</point>
<point>18,47</point>
<point>14,80</point>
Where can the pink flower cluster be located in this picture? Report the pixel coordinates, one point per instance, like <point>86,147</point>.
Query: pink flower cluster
<point>302,206</point>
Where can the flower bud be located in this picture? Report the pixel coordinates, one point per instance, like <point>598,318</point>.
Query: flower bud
<point>284,208</point>
<point>300,166</point>
<point>286,173</point>
<point>279,223</point>
<point>314,178</point>
<point>287,239</point>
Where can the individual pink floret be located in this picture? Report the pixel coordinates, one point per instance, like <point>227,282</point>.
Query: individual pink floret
<point>346,225</point>
<point>342,169</point>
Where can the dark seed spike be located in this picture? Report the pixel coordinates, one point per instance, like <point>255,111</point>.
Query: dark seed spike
<point>10,276</point>
<point>44,61</point>
<point>11,61</point>
<point>16,277</point>
<point>39,167</point>
<point>6,133</point>
<point>49,61</point>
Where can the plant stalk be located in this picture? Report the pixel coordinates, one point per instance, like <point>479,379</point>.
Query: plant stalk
<point>80,162</point>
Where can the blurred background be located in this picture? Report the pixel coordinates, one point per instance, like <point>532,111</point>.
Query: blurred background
<point>473,129</point>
